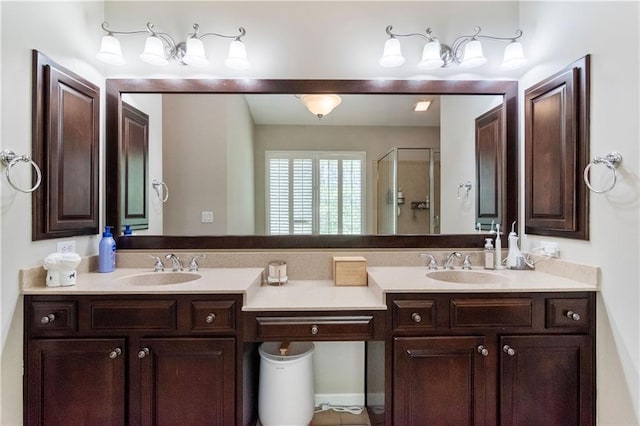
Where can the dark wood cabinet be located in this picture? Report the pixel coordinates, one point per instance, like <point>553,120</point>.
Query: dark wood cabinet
<point>187,381</point>
<point>75,382</point>
<point>438,380</point>
<point>492,359</point>
<point>65,143</point>
<point>114,360</point>
<point>546,380</point>
<point>134,178</point>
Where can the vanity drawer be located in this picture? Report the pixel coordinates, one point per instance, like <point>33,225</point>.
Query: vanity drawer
<point>568,313</point>
<point>489,312</point>
<point>133,314</point>
<point>315,328</point>
<point>209,315</point>
<point>53,317</point>
<point>414,315</point>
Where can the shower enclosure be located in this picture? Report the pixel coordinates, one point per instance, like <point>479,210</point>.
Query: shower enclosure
<point>408,191</point>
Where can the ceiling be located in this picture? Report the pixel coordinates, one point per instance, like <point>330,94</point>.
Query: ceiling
<point>355,110</point>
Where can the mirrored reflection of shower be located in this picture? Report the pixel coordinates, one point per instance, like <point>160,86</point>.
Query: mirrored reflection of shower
<point>408,191</point>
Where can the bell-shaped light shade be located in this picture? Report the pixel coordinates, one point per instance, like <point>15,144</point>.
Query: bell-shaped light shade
<point>513,56</point>
<point>154,52</point>
<point>321,105</point>
<point>473,56</point>
<point>392,54</point>
<point>431,56</point>
<point>110,52</point>
<point>195,53</point>
<point>237,58</point>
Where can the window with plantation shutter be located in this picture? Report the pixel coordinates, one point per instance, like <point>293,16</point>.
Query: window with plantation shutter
<point>314,193</point>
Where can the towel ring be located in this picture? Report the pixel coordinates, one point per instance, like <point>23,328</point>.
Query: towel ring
<point>165,190</point>
<point>466,187</point>
<point>612,160</point>
<point>10,159</point>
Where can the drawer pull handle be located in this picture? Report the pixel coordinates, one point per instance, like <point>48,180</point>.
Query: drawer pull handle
<point>416,317</point>
<point>115,353</point>
<point>508,350</point>
<point>483,351</point>
<point>210,318</point>
<point>573,315</point>
<point>47,319</point>
<point>143,353</point>
<point>314,329</point>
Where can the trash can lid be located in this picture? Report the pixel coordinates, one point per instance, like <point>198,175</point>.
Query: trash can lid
<point>295,350</point>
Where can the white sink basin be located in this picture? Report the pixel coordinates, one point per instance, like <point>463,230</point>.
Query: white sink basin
<point>159,278</point>
<point>467,277</point>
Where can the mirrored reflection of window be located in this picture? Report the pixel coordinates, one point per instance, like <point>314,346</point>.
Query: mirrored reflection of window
<point>314,192</point>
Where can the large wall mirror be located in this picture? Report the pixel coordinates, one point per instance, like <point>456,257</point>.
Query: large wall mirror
<point>222,147</point>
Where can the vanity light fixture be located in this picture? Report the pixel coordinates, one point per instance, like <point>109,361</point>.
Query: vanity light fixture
<point>160,48</point>
<point>422,106</point>
<point>321,105</point>
<point>466,50</point>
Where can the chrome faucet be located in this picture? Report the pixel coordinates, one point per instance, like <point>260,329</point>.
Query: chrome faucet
<point>193,265</point>
<point>175,262</point>
<point>466,264</point>
<point>448,263</point>
<point>433,264</point>
<point>158,266</point>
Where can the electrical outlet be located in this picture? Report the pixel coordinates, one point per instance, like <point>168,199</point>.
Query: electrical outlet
<point>550,249</point>
<point>66,246</point>
<point>207,217</point>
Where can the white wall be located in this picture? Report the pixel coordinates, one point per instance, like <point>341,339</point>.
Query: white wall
<point>556,35</point>
<point>458,159</point>
<point>240,175</point>
<point>67,33</point>
<point>151,104</point>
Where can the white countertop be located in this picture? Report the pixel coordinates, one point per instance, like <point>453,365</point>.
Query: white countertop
<point>414,279</point>
<point>308,294</point>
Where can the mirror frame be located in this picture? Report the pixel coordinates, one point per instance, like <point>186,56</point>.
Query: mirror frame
<point>115,87</point>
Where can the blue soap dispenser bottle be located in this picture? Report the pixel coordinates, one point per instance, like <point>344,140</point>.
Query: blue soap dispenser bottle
<point>107,252</point>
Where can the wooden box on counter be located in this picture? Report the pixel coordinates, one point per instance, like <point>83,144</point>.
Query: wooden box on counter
<point>350,270</point>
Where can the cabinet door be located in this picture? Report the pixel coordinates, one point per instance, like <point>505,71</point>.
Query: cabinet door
<point>187,381</point>
<point>546,380</point>
<point>438,381</point>
<point>75,382</point>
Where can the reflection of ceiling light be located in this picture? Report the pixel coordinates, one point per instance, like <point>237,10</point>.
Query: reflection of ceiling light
<point>422,106</point>
<point>466,50</point>
<point>321,105</point>
<point>160,48</point>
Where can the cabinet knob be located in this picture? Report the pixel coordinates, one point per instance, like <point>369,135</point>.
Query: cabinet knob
<point>573,315</point>
<point>416,317</point>
<point>47,319</point>
<point>143,353</point>
<point>483,351</point>
<point>508,350</point>
<point>115,353</point>
<point>210,318</point>
<point>314,329</point>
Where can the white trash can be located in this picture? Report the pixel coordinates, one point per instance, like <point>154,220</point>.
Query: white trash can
<point>286,393</point>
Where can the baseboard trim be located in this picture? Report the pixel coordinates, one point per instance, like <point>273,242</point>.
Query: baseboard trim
<point>347,399</point>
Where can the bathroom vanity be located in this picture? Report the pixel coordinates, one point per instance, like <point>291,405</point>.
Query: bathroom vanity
<point>120,350</point>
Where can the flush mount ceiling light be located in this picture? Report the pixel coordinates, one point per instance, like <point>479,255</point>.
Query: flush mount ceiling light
<point>466,50</point>
<point>160,48</point>
<point>321,105</point>
<point>422,106</point>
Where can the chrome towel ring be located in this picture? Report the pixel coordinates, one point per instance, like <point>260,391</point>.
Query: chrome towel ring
<point>10,159</point>
<point>163,194</point>
<point>612,160</point>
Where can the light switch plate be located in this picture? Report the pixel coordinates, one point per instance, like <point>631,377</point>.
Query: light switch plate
<point>207,217</point>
